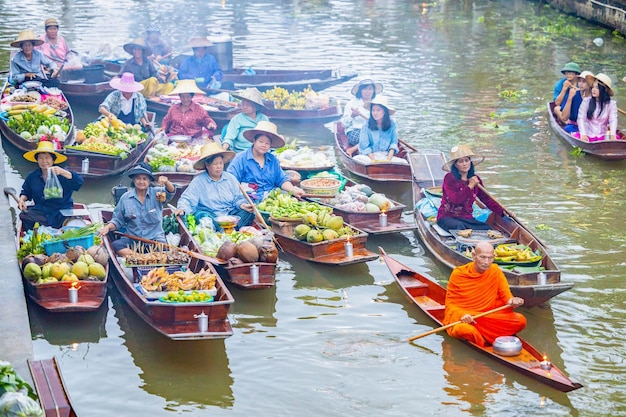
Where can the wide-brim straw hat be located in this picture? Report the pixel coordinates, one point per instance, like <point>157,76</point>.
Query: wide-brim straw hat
<point>199,42</point>
<point>571,67</point>
<point>462,151</point>
<point>212,149</point>
<point>141,168</point>
<point>186,86</point>
<point>268,129</point>
<point>47,147</point>
<point>587,75</point>
<point>26,36</point>
<point>126,83</point>
<point>51,21</point>
<point>606,80</point>
<point>378,87</point>
<point>251,94</point>
<point>138,43</point>
<point>381,101</point>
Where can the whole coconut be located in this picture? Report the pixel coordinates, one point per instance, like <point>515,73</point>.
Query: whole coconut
<point>247,252</point>
<point>99,254</point>
<point>74,252</point>
<point>227,250</point>
<point>268,253</point>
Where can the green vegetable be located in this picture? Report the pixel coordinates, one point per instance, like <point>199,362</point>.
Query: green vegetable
<point>170,224</point>
<point>52,192</point>
<point>190,222</point>
<point>84,231</point>
<point>12,382</point>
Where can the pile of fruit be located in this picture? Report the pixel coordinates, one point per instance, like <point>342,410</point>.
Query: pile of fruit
<point>296,100</point>
<point>305,157</point>
<point>74,265</point>
<point>322,226</point>
<point>181,296</point>
<point>158,279</point>
<point>516,253</point>
<point>360,198</point>
<point>111,138</point>
<point>247,245</point>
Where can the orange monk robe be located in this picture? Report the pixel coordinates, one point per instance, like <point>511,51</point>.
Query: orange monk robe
<point>472,293</point>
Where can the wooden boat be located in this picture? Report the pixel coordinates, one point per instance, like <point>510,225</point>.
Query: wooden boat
<point>50,386</point>
<point>524,282</point>
<point>177,321</point>
<point>90,83</point>
<point>221,111</point>
<point>430,297</point>
<point>319,116</point>
<point>608,150</point>
<point>327,252</point>
<point>238,275</point>
<point>53,296</point>
<point>367,221</point>
<point>374,172</point>
<point>27,145</point>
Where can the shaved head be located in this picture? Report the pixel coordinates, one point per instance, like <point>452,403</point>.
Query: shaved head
<point>483,256</point>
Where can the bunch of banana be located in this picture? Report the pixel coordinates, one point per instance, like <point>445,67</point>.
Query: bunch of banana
<point>35,108</point>
<point>515,253</point>
<point>115,123</point>
<point>154,280</point>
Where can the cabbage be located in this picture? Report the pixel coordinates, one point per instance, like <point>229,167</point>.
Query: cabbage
<point>18,404</point>
<point>43,130</point>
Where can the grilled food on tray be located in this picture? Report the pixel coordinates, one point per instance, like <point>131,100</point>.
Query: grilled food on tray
<point>494,234</point>
<point>465,233</point>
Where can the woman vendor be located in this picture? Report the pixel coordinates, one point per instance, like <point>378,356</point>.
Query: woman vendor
<point>140,209</point>
<point>46,212</point>
<point>215,192</point>
<point>187,118</point>
<point>28,64</point>
<point>258,167</point>
<point>143,69</point>
<point>251,114</point>
<point>126,103</point>
<point>460,189</point>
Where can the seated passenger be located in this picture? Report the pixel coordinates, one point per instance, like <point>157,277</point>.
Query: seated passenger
<point>29,64</point>
<point>597,115</point>
<point>251,114</point>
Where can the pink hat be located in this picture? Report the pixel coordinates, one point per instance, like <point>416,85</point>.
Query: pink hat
<point>126,84</point>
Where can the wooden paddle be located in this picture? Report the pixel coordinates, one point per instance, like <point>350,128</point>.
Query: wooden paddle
<point>10,191</point>
<point>618,109</point>
<point>513,216</point>
<point>447,326</point>
<point>201,256</point>
<point>260,216</point>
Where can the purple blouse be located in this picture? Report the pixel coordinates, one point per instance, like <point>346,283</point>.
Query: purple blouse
<point>458,199</point>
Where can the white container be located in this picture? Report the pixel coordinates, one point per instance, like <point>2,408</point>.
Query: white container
<point>72,294</point>
<point>382,220</point>
<point>542,278</point>
<point>254,273</point>
<point>348,249</point>
<point>85,166</point>
<point>203,322</point>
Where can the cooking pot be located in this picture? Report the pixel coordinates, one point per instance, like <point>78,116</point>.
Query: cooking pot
<point>507,346</point>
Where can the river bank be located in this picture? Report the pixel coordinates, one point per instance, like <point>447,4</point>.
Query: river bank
<point>610,13</point>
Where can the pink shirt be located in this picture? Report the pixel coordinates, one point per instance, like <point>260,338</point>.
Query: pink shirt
<point>189,123</point>
<point>597,126</point>
<point>458,199</point>
<point>56,52</point>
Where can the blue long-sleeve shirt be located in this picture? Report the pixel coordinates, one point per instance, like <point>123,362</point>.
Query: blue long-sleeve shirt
<point>206,194</point>
<point>247,170</point>
<point>141,219</point>
<point>378,140</point>
<point>20,66</point>
<point>33,190</point>
<point>206,67</point>
<point>234,131</point>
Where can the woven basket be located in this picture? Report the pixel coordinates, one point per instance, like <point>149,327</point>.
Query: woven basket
<point>309,186</point>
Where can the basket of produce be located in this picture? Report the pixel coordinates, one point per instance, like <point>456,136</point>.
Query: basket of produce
<point>82,236</point>
<point>321,186</point>
<point>155,283</point>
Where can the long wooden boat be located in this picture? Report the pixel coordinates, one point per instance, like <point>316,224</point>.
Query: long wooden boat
<point>90,83</point>
<point>327,252</point>
<point>238,275</point>
<point>319,116</point>
<point>54,297</point>
<point>367,221</point>
<point>177,321</point>
<point>381,171</point>
<point>609,150</point>
<point>24,144</point>
<point>430,297</point>
<point>50,386</point>
<point>221,111</point>
<point>523,281</point>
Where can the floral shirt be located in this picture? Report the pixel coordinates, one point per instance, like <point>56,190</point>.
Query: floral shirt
<point>189,123</point>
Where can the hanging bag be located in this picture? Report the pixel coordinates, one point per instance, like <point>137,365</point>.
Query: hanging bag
<point>53,188</point>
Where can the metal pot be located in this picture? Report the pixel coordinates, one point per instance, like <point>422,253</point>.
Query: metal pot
<point>507,346</point>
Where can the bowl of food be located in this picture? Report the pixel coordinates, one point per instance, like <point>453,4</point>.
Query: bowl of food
<point>227,223</point>
<point>31,84</point>
<point>179,138</point>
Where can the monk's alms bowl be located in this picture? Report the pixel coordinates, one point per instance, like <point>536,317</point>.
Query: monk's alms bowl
<point>507,346</point>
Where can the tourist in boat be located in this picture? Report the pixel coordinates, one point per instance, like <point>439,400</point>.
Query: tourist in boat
<point>215,192</point>
<point>161,51</point>
<point>125,103</point>
<point>187,118</point>
<point>46,212</point>
<point>54,45</point>
<point>251,114</point>
<point>201,66</point>
<point>460,189</point>
<point>378,139</point>
<point>143,69</point>
<point>257,167</point>
<point>140,209</point>
<point>356,113</point>
<point>567,113</point>
<point>598,111</point>
<point>477,287</point>
<point>29,64</point>
<point>571,70</point>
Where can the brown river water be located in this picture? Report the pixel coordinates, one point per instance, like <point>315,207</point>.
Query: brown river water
<point>332,341</point>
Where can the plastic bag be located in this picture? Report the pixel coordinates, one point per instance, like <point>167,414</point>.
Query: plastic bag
<point>18,404</point>
<point>53,188</point>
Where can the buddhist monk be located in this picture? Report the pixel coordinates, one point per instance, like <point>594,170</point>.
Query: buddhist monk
<point>477,287</point>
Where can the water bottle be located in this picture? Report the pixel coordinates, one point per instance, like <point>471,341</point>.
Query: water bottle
<point>85,166</point>
<point>542,278</point>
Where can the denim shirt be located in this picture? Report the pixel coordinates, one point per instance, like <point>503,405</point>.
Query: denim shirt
<point>206,194</point>
<point>247,170</point>
<point>20,66</point>
<point>206,67</point>
<point>378,140</point>
<point>142,220</point>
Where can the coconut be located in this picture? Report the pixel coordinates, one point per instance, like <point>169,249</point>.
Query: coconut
<point>227,250</point>
<point>57,257</point>
<point>73,253</point>
<point>34,259</point>
<point>268,253</point>
<point>235,261</point>
<point>247,252</point>
<point>99,254</point>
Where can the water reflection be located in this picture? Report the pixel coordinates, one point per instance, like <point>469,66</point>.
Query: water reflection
<point>182,373</point>
<point>254,309</point>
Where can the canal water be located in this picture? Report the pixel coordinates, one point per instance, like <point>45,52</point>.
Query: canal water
<point>332,341</point>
